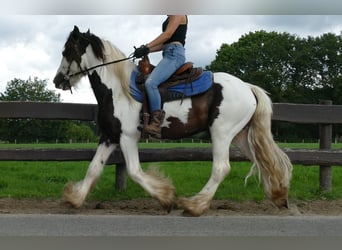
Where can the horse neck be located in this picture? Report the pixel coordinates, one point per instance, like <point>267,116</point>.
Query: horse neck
<point>114,76</point>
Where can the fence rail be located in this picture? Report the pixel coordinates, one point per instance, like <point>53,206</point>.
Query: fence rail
<point>324,114</point>
<point>306,157</point>
<point>298,113</point>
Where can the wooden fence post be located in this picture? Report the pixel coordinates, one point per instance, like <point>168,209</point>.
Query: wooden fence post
<point>120,177</point>
<point>325,176</point>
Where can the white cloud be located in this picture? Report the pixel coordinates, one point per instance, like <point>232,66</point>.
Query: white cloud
<point>31,45</point>
<point>21,60</point>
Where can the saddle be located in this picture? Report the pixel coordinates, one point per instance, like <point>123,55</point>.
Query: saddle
<point>185,74</point>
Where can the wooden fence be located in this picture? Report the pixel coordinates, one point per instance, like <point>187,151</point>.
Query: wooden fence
<point>324,114</point>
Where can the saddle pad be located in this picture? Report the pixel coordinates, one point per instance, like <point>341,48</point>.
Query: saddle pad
<point>200,85</point>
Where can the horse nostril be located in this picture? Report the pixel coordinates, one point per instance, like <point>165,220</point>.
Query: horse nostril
<point>57,79</point>
<point>61,82</point>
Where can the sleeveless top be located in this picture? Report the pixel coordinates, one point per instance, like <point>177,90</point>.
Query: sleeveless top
<point>180,33</point>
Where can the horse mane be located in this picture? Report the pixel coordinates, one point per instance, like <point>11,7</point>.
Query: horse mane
<point>122,69</point>
<point>106,51</point>
<point>96,44</point>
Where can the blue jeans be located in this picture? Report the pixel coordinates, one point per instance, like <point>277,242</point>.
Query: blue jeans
<point>173,58</point>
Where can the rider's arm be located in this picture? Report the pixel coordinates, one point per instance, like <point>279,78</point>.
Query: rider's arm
<point>157,44</point>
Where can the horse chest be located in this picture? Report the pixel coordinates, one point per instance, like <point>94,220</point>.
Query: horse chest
<point>109,125</point>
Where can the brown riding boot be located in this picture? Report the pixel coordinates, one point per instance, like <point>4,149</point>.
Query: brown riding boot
<point>154,128</point>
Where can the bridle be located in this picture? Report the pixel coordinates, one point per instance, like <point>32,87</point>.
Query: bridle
<point>86,70</point>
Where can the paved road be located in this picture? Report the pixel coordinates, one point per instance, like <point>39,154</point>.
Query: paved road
<point>168,225</point>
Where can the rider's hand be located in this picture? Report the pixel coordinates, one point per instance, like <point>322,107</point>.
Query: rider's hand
<point>143,50</point>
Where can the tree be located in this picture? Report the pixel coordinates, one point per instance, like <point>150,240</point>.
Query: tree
<point>290,68</point>
<point>79,132</point>
<point>29,90</point>
<point>260,58</point>
<point>29,130</point>
<point>328,57</point>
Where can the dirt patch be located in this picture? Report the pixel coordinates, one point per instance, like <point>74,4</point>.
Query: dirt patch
<point>152,207</point>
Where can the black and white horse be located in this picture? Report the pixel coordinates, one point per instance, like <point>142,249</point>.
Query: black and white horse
<point>232,110</point>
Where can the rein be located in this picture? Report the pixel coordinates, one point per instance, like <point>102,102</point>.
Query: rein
<point>84,71</point>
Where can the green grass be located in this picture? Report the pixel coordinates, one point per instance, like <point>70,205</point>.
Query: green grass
<point>42,180</point>
<point>308,145</point>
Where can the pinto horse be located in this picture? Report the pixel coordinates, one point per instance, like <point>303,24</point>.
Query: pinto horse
<point>232,110</point>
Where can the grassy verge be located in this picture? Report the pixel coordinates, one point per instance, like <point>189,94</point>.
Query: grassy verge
<point>47,179</point>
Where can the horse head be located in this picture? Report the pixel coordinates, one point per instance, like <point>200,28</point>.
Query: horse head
<point>73,64</point>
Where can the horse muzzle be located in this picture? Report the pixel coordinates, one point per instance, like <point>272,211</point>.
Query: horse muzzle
<point>62,81</point>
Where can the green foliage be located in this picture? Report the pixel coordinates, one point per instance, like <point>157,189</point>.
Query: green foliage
<point>30,130</point>
<point>29,90</point>
<point>79,132</point>
<point>290,68</point>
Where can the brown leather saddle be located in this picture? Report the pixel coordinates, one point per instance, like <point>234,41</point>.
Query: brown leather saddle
<point>184,74</point>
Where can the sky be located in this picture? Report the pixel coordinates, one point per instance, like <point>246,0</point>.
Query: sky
<point>31,45</point>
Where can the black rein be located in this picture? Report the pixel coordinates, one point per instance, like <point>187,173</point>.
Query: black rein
<point>83,71</point>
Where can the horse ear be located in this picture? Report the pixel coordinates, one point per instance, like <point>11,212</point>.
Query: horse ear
<point>88,31</point>
<point>76,31</point>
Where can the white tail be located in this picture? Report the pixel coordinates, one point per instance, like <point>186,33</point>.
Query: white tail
<point>273,165</point>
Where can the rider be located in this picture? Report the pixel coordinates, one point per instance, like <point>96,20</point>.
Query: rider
<point>171,41</point>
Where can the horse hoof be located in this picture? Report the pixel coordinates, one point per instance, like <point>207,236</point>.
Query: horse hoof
<point>71,196</point>
<point>188,213</point>
<point>194,206</point>
<point>169,207</point>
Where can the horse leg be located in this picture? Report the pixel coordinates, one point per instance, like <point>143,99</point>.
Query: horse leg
<point>241,141</point>
<point>198,204</point>
<point>75,194</point>
<point>152,182</point>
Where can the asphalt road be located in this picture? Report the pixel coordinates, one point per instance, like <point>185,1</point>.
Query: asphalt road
<point>168,225</point>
